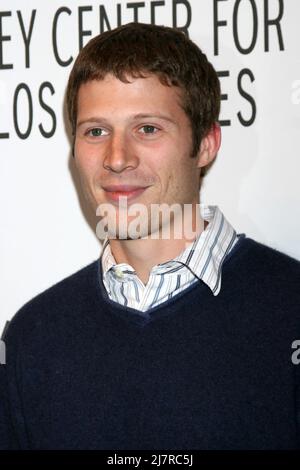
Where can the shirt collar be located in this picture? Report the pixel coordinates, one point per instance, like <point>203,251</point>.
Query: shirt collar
<point>204,257</point>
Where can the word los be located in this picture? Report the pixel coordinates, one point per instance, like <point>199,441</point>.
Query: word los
<point>23,108</point>
<point>22,103</point>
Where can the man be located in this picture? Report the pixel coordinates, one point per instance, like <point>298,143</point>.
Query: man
<point>165,342</point>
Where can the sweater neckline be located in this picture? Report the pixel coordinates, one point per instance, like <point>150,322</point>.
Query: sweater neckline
<point>143,318</point>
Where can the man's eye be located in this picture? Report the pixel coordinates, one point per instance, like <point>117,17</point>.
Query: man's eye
<point>96,132</point>
<point>149,129</point>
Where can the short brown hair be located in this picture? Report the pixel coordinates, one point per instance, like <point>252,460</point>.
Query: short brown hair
<point>137,50</point>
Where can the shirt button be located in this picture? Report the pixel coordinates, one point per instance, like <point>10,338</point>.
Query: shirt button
<point>119,274</point>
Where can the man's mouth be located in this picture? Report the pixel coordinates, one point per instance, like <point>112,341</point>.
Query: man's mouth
<point>114,192</point>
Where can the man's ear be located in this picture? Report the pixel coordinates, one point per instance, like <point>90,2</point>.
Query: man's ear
<point>209,146</point>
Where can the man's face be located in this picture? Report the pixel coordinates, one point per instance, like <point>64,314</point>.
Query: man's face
<point>134,134</point>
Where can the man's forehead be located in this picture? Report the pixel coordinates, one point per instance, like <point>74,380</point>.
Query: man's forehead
<point>148,90</point>
<point>128,78</point>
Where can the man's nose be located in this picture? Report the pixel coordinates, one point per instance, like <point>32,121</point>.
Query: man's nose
<point>120,154</point>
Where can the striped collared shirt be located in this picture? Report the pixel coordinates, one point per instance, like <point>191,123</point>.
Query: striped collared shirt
<point>202,259</point>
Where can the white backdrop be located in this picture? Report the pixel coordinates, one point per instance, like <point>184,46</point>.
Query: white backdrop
<point>46,231</point>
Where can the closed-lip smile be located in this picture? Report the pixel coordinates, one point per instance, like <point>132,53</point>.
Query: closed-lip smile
<point>122,188</point>
<point>114,191</point>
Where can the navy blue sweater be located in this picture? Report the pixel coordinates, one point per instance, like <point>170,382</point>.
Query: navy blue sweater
<point>196,372</point>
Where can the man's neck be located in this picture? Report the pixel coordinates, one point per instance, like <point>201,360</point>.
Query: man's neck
<point>145,253</point>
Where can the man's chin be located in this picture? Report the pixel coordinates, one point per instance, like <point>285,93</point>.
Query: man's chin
<point>128,235</point>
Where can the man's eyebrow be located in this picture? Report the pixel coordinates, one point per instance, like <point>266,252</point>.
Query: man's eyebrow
<point>93,119</point>
<point>99,119</point>
<point>156,116</point>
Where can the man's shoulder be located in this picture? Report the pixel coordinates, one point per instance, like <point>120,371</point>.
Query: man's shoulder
<point>255,262</point>
<point>266,255</point>
<point>59,299</point>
